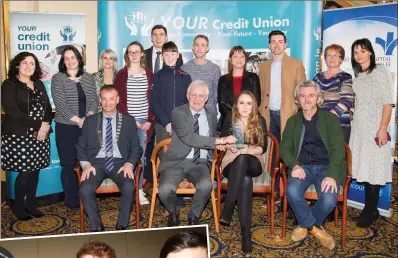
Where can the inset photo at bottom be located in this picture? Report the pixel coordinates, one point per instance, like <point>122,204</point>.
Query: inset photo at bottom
<point>178,242</point>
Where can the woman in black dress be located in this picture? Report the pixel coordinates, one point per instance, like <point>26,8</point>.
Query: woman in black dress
<point>27,123</point>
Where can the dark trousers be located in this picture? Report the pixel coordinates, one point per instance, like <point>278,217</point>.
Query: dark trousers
<point>240,185</point>
<point>25,185</point>
<point>275,128</point>
<point>66,138</point>
<point>90,185</point>
<point>148,164</point>
<point>199,175</point>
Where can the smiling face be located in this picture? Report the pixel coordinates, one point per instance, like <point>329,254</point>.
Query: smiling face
<point>107,61</point>
<point>135,54</point>
<point>70,60</point>
<point>200,48</point>
<point>238,60</point>
<point>27,67</point>
<point>244,105</point>
<point>197,97</point>
<point>170,58</point>
<point>109,100</point>
<point>277,45</point>
<point>362,56</point>
<point>158,38</point>
<point>333,59</point>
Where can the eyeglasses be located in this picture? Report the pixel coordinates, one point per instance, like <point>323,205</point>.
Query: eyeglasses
<point>333,55</point>
<point>131,53</point>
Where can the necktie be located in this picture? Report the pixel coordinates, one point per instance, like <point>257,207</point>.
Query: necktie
<point>196,151</point>
<point>108,145</point>
<point>157,62</point>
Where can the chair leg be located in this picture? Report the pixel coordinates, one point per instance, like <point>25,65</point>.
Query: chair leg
<point>215,214</point>
<point>137,209</point>
<point>269,206</point>
<point>284,216</point>
<point>81,216</point>
<point>218,201</point>
<point>336,215</point>
<point>154,193</point>
<point>343,222</point>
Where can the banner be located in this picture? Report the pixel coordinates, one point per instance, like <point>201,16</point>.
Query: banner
<point>226,24</point>
<point>378,23</point>
<point>46,35</point>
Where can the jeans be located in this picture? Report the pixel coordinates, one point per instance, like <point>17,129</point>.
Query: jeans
<point>296,188</point>
<point>142,137</point>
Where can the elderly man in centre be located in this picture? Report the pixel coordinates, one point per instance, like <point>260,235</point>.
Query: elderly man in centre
<point>193,135</point>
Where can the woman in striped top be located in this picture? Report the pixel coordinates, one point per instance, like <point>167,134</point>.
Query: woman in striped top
<point>336,87</point>
<point>134,83</point>
<point>74,95</point>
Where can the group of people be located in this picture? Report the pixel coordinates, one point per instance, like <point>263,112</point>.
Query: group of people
<point>107,121</point>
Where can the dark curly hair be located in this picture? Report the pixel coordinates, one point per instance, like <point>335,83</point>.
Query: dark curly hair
<point>182,241</point>
<point>97,249</point>
<point>62,66</point>
<point>16,61</point>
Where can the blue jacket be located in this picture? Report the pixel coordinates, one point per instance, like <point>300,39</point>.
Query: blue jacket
<point>170,86</point>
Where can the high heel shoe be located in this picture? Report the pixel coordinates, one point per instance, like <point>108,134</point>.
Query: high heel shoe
<point>227,212</point>
<point>246,240</point>
<point>369,220</point>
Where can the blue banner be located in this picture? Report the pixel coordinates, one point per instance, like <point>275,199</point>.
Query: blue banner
<point>378,23</point>
<point>225,23</point>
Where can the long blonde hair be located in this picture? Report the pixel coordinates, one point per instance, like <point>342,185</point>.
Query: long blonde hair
<point>254,134</point>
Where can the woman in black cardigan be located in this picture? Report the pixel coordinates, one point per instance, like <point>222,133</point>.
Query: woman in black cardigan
<point>236,80</point>
<point>27,123</point>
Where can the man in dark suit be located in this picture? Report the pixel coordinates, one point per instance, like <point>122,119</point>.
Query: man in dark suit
<point>193,135</point>
<point>108,148</point>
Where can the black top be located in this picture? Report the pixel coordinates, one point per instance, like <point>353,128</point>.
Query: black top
<point>82,100</point>
<point>15,99</point>
<point>313,150</point>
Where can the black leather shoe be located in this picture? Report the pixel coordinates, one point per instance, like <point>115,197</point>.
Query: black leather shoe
<point>193,221</point>
<point>369,220</point>
<point>120,227</point>
<point>173,220</point>
<point>35,213</point>
<point>100,229</point>
<point>227,212</point>
<point>22,215</point>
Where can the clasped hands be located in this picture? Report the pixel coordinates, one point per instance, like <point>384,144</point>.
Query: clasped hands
<point>226,143</point>
<point>327,182</point>
<point>43,131</point>
<point>144,127</point>
<point>127,169</point>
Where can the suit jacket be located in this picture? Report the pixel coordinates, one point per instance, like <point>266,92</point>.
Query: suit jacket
<point>292,74</point>
<point>148,57</point>
<point>89,145</point>
<point>183,137</point>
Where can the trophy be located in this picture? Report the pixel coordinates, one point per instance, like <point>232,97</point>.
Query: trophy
<point>238,130</point>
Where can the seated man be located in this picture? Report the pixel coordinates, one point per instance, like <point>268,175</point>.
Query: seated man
<point>193,131</point>
<point>313,149</point>
<point>108,148</point>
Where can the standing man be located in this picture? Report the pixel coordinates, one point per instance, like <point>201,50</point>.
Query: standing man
<point>278,78</point>
<point>108,148</point>
<point>194,130</point>
<point>202,69</point>
<point>313,150</point>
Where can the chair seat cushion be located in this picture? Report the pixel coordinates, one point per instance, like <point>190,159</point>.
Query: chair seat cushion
<point>107,182</point>
<point>312,189</point>
<point>262,180</point>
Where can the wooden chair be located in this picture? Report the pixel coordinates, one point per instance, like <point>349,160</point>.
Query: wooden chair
<point>108,186</point>
<point>312,195</point>
<point>264,184</point>
<point>163,145</point>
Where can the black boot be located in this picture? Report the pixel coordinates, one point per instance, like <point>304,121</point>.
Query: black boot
<point>372,213</point>
<point>365,210</point>
<point>246,240</point>
<point>227,212</point>
<point>31,196</point>
<point>19,202</point>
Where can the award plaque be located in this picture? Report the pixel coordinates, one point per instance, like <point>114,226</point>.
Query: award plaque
<point>238,130</point>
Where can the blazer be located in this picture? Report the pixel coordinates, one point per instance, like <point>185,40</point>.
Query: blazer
<point>65,96</point>
<point>148,57</point>
<point>88,144</point>
<point>120,83</point>
<point>183,137</point>
<point>226,98</point>
<point>15,99</point>
<point>292,74</point>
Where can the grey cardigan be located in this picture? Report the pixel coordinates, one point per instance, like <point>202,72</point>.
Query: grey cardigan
<point>64,93</point>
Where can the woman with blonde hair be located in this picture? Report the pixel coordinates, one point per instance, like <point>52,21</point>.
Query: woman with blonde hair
<point>241,165</point>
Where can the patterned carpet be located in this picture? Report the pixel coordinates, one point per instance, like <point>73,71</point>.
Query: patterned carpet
<point>381,240</point>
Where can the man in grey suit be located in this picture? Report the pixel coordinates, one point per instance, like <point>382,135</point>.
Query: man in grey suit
<point>193,135</point>
<point>108,148</point>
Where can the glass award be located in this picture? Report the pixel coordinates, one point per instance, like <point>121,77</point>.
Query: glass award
<point>238,130</point>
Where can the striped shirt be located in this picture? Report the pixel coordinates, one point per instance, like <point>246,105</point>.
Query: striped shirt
<point>337,94</point>
<point>137,100</point>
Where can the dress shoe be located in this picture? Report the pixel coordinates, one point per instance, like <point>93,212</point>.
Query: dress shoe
<point>35,213</point>
<point>120,227</point>
<point>246,240</point>
<point>173,220</point>
<point>227,212</point>
<point>22,215</point>
<point>100,229</point>
<point>323,237</point>
<point>193,221</point>
<point>369,220</point>
<point>299,234</point>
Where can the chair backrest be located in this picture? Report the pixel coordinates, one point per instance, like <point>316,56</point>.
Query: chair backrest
<point>160,146</point>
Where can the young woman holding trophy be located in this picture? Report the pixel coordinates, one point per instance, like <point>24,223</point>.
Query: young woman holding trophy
<point>243,160</point>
